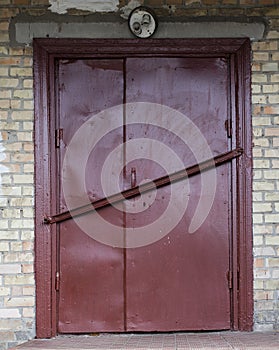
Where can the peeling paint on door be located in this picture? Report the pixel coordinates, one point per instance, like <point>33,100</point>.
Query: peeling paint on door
<point>61,6</point>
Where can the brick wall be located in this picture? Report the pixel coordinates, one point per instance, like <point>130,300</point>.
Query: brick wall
<point>17,316</point>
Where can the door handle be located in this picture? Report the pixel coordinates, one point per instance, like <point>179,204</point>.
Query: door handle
<point>133,177</point>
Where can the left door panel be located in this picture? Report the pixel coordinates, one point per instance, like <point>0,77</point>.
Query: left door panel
<point>91,274</point>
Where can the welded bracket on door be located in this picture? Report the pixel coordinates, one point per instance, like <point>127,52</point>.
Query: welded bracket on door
<point>138,190</point>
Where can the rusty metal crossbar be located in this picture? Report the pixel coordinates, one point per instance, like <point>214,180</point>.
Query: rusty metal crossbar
<point>138,190</point>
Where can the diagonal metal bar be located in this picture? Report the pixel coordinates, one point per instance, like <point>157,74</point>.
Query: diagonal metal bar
<point>136,191</point>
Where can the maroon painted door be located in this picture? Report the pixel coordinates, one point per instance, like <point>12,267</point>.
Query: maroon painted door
<point>179,281</point>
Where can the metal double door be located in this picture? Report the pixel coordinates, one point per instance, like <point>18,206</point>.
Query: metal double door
<point>136,120</point>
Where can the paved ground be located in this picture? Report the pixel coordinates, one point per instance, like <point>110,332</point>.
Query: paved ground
<point>170,341</point>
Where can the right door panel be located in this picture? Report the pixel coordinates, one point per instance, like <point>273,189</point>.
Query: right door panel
<point>180,282</point>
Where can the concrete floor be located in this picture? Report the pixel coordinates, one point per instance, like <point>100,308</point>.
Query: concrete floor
<point>169,341</point>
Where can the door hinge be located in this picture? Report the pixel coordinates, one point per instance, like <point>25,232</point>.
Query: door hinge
<point>230,279</point>
<point>228,126</point>
<point>58,137</point>
<point>57,280</point>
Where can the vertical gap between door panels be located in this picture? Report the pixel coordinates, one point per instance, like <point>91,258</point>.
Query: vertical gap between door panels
<point>124,212</point>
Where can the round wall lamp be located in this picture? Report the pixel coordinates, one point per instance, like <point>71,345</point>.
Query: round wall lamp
<point>142,22</point>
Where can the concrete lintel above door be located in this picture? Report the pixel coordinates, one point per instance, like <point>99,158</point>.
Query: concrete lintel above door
<point>23,32</point>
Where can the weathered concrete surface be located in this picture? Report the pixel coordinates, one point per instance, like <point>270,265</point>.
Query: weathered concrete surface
<point>61,6</point>
<point>25,32</point>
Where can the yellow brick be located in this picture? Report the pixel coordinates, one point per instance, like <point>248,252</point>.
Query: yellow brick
<point>28,83</point>
<point>262,207</point>
<point>256,67</point>
<point>272,196</point>
<point>273,99</point>
<point>275,56</point>
<point>4,246</point>
<point>263,186</point>
<point>9,235</point>
<point>27,268</point>
<point>10,268</point>
<point>9,126</point>
<point>10,313</point>
<point>22,157</point>
<point>29,291</point>
<point>271,174</point>
<point>23,93</point>
<point>274,78</point>
<point>24,223</point>
<point>273,153</point>
<point>272,240</point>
<point>28,104</point>
<point>256,89</point>
<point>28,312</point>
<point>263,229</point>
<point>15,104</point>
<point>264,251</point>
<point>15,325</point>
<point>271,88</point>
<point>4,37</point>
<point>259,78</point>
<point>21,257</point>
<point>3,50</point>
<point>16,246</point>
<point>10,213</point>
<point>21,72</point>
<point>271,110</point>
<point>257,218</point>
<point>18,302</point>
<point>258,284</point>
<point>28,126</point>
<point>4,104</point>
<point>28,191</point>
<point>28,245</point>
<point>261,56</point>
<point>25,235</point>
<point>257,197</point>
<point>262,273</point>
<point>258,240</point>
<point>4,291</point>
<point>16,291</point>
<point>272,218</point>
<point>8,82</point>
<point>23,179</point>
<point>275,163</point>
<point>21,202</point>
<point>261,142</point>
<point>262,99</point>
<point>28,168</point>
<point>3,225</point>
<point>16,51</point>
<point>24,136</point>
<point>19,280</point>
<point>4,71</point>
<point>28,62</point>
<point>270,67</point>
<point>5,93</point>
<point>257,153</point>
<point>264,46</point>
<point>263,295</point>
<point>272,132</point>
<point>22,115</point>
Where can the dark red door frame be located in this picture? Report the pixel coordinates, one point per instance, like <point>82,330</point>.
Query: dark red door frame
<point>46,52</point>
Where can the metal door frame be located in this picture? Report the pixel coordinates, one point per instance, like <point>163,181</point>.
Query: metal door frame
<point>46,52</point>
